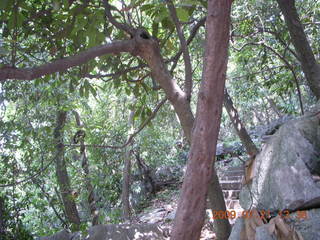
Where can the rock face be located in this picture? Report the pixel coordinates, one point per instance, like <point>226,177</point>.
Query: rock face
<point>283,171</point>
<point>287,178</point>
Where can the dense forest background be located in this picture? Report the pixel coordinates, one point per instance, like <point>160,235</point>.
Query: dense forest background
<point>70,137</point>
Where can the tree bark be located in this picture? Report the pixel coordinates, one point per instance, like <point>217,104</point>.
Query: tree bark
<point>145,173</point>
<point>2,217</point>
<point>221,226</point>
<point>241,131</point>
<point>85,166</point>
<point>150,51</point>
<point>126,175</point>
<point>62,174</point>
<point>192,202</point>
<point>310,67</point>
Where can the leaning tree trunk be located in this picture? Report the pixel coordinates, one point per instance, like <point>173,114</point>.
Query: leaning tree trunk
<point>307,59</point>
<point>241,131</point>
<point>245,138</point>
<point>192,202</point>
<point>125,195</point>
<point>62,174</point>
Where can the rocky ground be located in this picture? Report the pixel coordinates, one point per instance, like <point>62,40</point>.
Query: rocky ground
<point>162,209</point>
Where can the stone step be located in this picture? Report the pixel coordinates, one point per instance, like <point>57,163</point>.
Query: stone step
<point>231,178</point>
<point>231,194</point>
<point>233,173</point>
<point>230,185</point>
<point>239,168</point>
<point>233,204</point>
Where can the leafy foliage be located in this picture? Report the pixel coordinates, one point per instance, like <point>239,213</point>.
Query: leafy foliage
<point>261,71</point>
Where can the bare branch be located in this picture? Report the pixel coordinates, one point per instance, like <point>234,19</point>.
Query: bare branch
<point>118,25</point>
<point>191,37</point>
<point>116,74</point>
<point>184,49</point>
<point>66,63</point>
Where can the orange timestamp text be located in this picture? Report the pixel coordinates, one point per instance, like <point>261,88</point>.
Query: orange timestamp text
<point>262,214</point>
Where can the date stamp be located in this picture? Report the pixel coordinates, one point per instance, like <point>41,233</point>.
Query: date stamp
<point>262,214</point>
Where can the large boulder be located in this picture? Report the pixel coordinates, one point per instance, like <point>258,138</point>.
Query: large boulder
<point>293,225</point>
<point>285,169</point>
<point>309,227</point>
<point>286,178</point>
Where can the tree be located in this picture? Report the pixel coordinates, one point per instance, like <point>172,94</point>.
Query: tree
<point>141,44</point>
<point>62,174</point>
<point>105,52</point>
<point>79,137</point>
<point>125,196</point>
<point>300,42</point>
<point>239,127</point>
<point>191,207</point>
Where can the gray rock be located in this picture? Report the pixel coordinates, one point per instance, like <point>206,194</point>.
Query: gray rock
<point>308,227</point>
<point>126,232</point>
<point>168,173</point>
<point>154,216</point>
<point>262,233</point>
<point>63,235</point>
<point>237,229</point>
<point>284,169</point>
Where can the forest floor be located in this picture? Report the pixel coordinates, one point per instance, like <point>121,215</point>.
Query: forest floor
<point>162,211</point>
<point>162,208</point>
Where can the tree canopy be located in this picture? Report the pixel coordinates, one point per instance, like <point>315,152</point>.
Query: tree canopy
<point>89,65</point>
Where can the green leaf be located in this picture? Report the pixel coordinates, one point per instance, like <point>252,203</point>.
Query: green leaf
<point>71,87</point>
<point>81,91</point>
<point>93,91</point>
<point>147,7</point>
<point>183,14</point>
<point>4,4</point>
<point>136,91</point>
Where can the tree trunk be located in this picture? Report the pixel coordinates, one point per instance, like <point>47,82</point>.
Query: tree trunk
<point>149,50</point>
<point>192,202</point>
<point>85,166</point>
<point>307,59</point>
<point>222,226</point>
<point>241,131</point>
<point>62,174</point>
<point>274,107</point>
<point>145,173</point>
<point>2,217</point>
<point>126,175</point>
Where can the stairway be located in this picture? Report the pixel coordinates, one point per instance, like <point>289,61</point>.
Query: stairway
<point>231,183</point>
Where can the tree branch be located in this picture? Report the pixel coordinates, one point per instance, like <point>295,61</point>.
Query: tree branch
<point>121,26</point>
<point>116,74</point>
<point>191,37</point>
<point>184,50</point>
<point>66,63</point>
